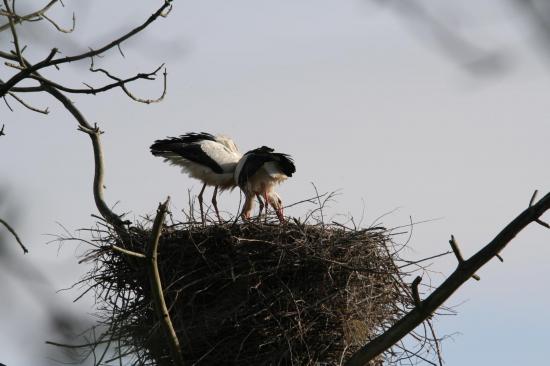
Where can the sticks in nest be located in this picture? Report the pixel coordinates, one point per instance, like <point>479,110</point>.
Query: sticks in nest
<point>301,294</point>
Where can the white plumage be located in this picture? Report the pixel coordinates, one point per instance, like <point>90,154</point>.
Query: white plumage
<point>210,159</point>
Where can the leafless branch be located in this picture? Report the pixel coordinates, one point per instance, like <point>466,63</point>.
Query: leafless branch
<point>7,104</point>
<point>533,197</point>
<point>156,285</point>
<point>49,61</point>
<point>96,90</point>
<point>538,221</point>
<point>128,252</point>
<point>2,130</point>
<point>5,87</point>
<point>14,33</point>
<point>436,342</point>
<point>414,288</point>
<point>149,101</point>
<point>28,106</point>
<point>10,229</point>
<point>464,270</point>
<point>122,83</point>
<point>409,263</point>
<point>458,255</point>
<point>94,134</point>
<point>29,17</point>
<point>62,30</point>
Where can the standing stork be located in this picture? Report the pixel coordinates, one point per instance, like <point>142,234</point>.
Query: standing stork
<point>210,159</point>
<point>258,172</point>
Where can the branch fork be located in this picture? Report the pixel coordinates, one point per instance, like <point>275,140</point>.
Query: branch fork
<point>458,255</point>
<point>463,272</point>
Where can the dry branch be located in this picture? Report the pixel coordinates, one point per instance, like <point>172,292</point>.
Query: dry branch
<point>9,228</point>
<point>49,61</point>
<point>93,133</point>
<point>464,270</point>
<point>29,17</point>
<point>28,106</point>
<point>156,286</point>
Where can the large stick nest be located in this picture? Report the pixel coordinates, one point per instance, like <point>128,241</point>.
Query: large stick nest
<point>250,294</point>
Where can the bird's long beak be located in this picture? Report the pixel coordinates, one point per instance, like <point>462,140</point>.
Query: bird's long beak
<point>280,215</point>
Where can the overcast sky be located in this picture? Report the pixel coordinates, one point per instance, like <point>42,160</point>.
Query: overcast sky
<point>366,100</point>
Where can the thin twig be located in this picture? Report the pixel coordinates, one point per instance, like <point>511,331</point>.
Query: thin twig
<point>7,104</point>
<point>28,106</point>
<point>414,288</point>
<point>14,33</point>
<point>96,90</point>
<point>10,229</point>
<point>31,16</point>
<point>458,254</point>
<point>456,249</point>
<point>60,29</point>
<point>436,341</point>
<point>127,252</point>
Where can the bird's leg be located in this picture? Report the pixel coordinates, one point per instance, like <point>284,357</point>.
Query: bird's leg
<point>200,203</point>
<point>266,204</point>
<point>247,207</point>
<point>261,203</point>
<point>215,203</point>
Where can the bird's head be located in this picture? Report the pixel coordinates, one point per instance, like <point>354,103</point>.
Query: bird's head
<point>277,204</point>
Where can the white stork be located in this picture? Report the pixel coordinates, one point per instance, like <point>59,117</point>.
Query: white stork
<point>210,159</point>
<point>257,173</point>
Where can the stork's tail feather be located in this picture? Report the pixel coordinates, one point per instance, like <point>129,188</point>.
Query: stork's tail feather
<point>286,164</point>
<point>160,146</point>
<point>169,145</point>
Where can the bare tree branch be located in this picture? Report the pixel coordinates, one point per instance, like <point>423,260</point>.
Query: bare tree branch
<point>14,33</point>
<point>414,288</point>
<point>464,270</point>
<point>436,342</point>
<point>458,255</point>
<point>156,285</point>
<point>48,61</point>
<point>29,17</point>
<point>5,88</point>
<point>28,106</point>
<point>10,229</point>
<point>7,104</point>
<point>94,134</point>
<point>122,83</point>
<point>30,71</point>
<point>94,90</point>
<point>60,29</point>
<point>128,252</point>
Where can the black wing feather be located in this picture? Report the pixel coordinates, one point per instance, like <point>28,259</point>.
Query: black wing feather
<point>191,151</point>
<point>285,163</point>
<point>258,157</point>
<point>190,138</point>
<point>251,165</point>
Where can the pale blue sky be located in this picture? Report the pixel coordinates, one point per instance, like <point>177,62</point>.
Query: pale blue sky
<point>362,99</point>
